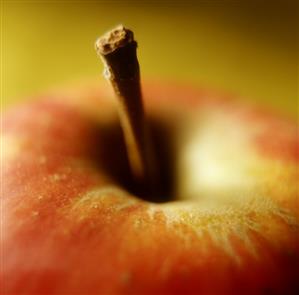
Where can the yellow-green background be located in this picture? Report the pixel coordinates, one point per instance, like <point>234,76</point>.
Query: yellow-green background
<point>247,47</point>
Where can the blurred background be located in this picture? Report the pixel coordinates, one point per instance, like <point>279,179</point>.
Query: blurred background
<point>249,48</point>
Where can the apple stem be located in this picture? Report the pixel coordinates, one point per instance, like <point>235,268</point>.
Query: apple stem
<point>117,49</point>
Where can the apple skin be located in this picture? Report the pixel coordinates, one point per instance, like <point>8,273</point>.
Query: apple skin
<point>70,227</point>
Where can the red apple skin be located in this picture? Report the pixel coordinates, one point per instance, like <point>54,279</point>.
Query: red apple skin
<point>70,228</point>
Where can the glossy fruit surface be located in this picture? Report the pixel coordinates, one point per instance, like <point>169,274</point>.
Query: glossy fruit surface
<point>71,226</point>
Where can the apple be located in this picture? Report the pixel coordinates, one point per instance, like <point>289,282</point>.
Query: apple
<point>225,222</point>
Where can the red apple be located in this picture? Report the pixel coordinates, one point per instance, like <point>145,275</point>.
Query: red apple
<point>71,224</point>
